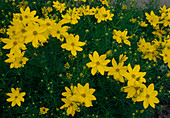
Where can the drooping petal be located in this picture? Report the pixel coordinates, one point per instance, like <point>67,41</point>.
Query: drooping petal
<point>78,48</point>
<point>145,104</point>
<point>100,69</point>
<point>94,70</point>
<point>73,52</point>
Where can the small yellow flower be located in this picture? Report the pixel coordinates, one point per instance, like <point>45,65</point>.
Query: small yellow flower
<point>16,97</point>
<point>83,94</point>
<point>98,63</point>
<point>43,110</point>
<point>72,44</point>
<point>124,7</point>
<point>149,98</point>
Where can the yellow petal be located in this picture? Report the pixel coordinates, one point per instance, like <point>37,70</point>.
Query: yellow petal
<point>150,88</point>
<point>95,55</point>
<point>78,48</point>
<point>94,70</point>
<point>145,104</point>
<point>114,63</point>
<point>91,64</point>
<point>100,69</point>
<point>73,52</point>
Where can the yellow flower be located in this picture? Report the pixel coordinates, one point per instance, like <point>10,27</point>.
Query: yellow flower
<point>16,60</point>
<point>59,6</point>
<point>59,31</point>
<point>15,45</point>
<point>166,20</point>
<point>133,20</point>
<point>35,35</point>
<point>73,43</point>
<point>124,7</point>
<point>84,94</point>
<point>152,18</point>
<point>149,98</point>
<point>98,63</point>
<point>70,105</point>
<point>117,70</point>
<point>143,24</point>
<point>69,92</point>
<point>27,17</point>
<point>122,58</point>
<point>43,110</point>
<point>103,15</point>
<point>121,36</point>
<point>16,97</point>
<point>22,4</point>
<point>134,76</point>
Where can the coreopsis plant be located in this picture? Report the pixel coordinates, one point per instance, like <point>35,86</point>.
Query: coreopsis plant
<point>121,36</point>
<point>27,16</point>
<point>16,60</point>
<point>117,70</point>
<point>103,15</point>
<point>76,96</point>
<point>152,18</point>
<point>16,97</point>
<point>48,24</point>
<point>59,31</point>
<point>98,63</point>
<point>134,76</point>
<point>83,94</point>
<point>70,105</point>
<point>35,34</point>
<point>43,110</point>
<point>149,98</point>
<point>134,91</point>
<point>15,45</point>
<point>59,6</point>
<point>73,44</point>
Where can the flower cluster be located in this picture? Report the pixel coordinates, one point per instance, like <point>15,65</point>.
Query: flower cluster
<point>76,96</point>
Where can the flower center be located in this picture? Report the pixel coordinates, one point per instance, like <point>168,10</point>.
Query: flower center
<point>48,24</point>
<point>26,16</point>
<point>14,43</point>
<point>16,97</point>
<point>35,33</point>
<point>58,32</point>
<point>83,95</point>
<point>97,63</point>
<point>72,44</point>
<point>117,70</point>
<point>23,30</point>
<point>133,76</point>
<point>147,96</point>
<point>71,104</point>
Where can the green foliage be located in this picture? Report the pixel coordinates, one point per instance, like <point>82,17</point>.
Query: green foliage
<point>41,77</point>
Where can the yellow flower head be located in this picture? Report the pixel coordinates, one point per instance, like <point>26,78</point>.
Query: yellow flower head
<point>98,63</point>
<point>83,94</point>
<point>43,110</point>
<point>149,98</point>
<point>72,44</point>
<point>16,97</point>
